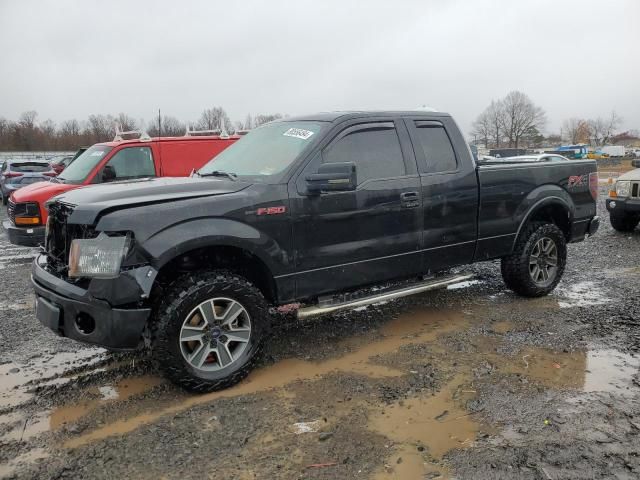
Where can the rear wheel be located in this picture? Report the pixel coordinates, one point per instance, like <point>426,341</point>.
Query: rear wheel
<point>537,263</point>
<point>624,222</point>
<point>210,329</point>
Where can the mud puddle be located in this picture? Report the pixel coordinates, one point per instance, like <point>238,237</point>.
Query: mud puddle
<point>426,428</point>
<point>26,427</point>
<point>414,328</point>
<point>422,428</point>
<point>18,380</point>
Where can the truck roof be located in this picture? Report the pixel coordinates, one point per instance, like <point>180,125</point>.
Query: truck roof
<point>347,115</point>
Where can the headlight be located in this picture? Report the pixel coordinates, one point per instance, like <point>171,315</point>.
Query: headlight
<point>622,188</point>
<point>99,257</point>
<point>26,214</point>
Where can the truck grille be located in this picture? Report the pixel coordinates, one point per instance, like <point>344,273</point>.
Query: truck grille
<point>11,210</point>
<point>59,236</point>
<point>56,240</point>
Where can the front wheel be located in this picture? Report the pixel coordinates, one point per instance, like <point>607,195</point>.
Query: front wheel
<point>624,222</point>
<point>209,331</point>
<point>538,260</point>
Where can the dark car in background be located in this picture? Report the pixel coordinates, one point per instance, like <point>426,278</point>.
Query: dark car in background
<point>15,174</point>
<point>60,162</point>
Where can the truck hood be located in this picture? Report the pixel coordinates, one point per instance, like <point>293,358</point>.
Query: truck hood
<point>93,200</point>
<point>632,175</point>
<point>40,191</point>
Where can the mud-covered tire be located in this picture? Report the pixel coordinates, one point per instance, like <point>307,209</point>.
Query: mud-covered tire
<point>624,222</point>
<point>516,267</point>
<point>179,299</point>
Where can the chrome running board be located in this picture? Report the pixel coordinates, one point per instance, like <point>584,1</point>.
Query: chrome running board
<point>420,287</point>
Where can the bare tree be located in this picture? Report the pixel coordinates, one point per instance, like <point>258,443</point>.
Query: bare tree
<point>265,118</point>
<point>171,127</point>
<point>126,123</point>
<point>482,128</point>
<point>100,128</point>
<point>28,119</point>
<point>495,112</point>
<point>602,129</point>
<point>248,123</point>
<point>215,119</point>
<point>488,125</point>
<point>576,130</point>
<point>48,134</point>
<point>520,114</point>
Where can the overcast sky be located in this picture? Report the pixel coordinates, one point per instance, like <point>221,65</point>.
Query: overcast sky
<point>69,59</point>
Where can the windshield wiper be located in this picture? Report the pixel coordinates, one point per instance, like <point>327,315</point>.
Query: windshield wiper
<point>218,173</point>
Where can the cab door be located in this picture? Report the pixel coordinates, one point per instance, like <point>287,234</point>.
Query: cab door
<point>351,238</point>
<point>449,189</point>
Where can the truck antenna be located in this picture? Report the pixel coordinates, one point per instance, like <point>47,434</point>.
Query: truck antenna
<point>159,142</point>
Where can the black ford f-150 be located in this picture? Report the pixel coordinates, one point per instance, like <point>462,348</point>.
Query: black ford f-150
<point>300,214</point>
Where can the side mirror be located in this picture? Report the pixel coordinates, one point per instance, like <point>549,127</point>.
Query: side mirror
<point>635,163</point>
<point>108,173</point>
<point>333,177</point>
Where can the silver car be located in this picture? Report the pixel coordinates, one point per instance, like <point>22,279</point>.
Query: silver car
<point>15,174</point>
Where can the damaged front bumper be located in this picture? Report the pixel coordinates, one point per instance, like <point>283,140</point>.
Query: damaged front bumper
<point>107,313</point>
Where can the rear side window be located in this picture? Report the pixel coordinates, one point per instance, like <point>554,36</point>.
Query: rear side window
<point>374,148</point>
<point>133,162</point>
<point>30,167</point>
<point>437,148</point>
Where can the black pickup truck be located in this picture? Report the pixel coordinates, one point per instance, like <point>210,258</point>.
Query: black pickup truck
<point>303,214</point>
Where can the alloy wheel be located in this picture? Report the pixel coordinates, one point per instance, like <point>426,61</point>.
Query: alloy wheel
<point>543,261</point>
<point>215,334</point>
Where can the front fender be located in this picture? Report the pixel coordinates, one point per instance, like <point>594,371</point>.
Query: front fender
<point>208,232</point>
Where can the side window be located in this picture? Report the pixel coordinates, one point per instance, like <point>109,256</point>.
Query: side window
<point>374,148</point>
<point>133,162</point>
<point>437,148</point>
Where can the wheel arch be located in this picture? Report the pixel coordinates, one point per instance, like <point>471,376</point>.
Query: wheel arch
<point>200,244</point>
<point>554,208</point>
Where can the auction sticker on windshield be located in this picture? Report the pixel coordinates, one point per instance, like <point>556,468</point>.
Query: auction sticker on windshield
<point>298,133</point>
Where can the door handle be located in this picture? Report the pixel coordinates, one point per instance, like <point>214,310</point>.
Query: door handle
<point>409,195</point>
<point>409,199</point>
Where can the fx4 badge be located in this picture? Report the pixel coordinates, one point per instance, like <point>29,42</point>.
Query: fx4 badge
<point>578,181</point>
<point>280,209</point>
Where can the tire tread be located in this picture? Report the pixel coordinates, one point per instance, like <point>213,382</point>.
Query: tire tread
<point>220,281</point>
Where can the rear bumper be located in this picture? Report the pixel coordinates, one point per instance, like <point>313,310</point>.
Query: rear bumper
<point>623,205</point>
<point>67,310</point>
<point>581,228</point>
<point>24,236</point>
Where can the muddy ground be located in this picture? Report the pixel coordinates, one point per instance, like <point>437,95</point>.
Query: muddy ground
<point>471,382</point>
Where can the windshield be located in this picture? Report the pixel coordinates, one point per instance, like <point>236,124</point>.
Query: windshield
<point>78,170</point>
<point>265,151</point>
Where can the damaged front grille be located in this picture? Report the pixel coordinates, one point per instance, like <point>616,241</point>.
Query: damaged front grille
<point>60,234</point>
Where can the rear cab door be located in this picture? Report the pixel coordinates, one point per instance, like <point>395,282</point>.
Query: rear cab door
<point>449,190</point>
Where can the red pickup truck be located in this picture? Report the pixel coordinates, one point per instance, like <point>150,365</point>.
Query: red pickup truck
<point>109,162</point>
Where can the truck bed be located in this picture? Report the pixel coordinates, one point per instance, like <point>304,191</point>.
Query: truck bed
<point>508,189</point>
